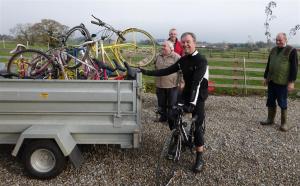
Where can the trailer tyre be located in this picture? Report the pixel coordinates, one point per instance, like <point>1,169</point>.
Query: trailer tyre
<point>43,159</point>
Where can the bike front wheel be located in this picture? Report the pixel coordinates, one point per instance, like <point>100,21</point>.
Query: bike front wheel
<point>138,49</point>
<point>75,37</point>
<point>32,64</point>
<point>167,166</point>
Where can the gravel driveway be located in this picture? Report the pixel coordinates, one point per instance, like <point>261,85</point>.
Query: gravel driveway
<point>239,151</point>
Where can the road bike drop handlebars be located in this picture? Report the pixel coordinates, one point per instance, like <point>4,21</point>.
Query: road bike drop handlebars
<point>131,72</point>
<point>102,65</point>
<point>103,24</point>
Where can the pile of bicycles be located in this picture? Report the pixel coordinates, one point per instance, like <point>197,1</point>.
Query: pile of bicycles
<point>81,55</point>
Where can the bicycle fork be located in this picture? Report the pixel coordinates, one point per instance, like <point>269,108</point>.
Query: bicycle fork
<point>187,136</point>
<point>181,141</point>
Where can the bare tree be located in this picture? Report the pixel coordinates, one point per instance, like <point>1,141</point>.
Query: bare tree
<point>293,31</point>
<point>23,33</point>
<point>270,17</point>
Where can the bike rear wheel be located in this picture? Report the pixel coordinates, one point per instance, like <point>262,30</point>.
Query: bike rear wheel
<point>33,64</point>
<point>138,48</point>
<point>75,37</point>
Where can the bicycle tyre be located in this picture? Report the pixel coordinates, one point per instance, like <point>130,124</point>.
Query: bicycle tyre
<point>36,65</point>
<point>138,49</point>
<point>81,35</point>
<point>165,169</point>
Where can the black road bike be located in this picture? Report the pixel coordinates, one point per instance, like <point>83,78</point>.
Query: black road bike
<point>179,141</point>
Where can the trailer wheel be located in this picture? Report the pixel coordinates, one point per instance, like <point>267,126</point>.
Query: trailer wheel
<point>43,159</point>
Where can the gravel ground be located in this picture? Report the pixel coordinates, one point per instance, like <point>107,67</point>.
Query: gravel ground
<point>239,151</point>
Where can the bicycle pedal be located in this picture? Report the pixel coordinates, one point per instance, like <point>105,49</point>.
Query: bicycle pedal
<point>169,157</point>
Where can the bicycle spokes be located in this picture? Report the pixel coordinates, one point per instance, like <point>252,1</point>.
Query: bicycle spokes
<point>167,163</point>
<point>138,48</point>
<point>30,63</point>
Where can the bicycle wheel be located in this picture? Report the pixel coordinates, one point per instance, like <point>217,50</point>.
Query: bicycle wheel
<point>138,48</point>
<point>33,64</point>
<point>75,37</point>
<point>166,166</point>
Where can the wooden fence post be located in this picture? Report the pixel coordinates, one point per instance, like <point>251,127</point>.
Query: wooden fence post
<point>234,78</point>
<point>245,78</point>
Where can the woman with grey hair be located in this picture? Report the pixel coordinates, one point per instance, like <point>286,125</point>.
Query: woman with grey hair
<point>166,86</point>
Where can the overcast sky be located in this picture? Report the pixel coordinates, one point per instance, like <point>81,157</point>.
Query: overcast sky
<point>211,20</point>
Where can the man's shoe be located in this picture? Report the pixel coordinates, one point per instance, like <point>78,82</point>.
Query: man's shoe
<point>199,164</point>
<point>170,156</point>
<point>271,116</point>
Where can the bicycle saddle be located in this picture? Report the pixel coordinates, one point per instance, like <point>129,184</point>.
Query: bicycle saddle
<point>18,48</point>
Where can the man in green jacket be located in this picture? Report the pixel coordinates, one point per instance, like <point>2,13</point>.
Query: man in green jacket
<point>280,75</point>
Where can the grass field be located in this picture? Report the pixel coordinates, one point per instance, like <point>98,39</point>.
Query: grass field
<point>9,45</point>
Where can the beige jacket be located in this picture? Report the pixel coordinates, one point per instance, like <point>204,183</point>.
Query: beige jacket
<point>162,62</point>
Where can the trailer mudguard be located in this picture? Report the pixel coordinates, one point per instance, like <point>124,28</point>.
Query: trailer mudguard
<point>59,133</point>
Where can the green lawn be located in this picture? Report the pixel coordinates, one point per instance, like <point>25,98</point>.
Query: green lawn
<point>10,45</point>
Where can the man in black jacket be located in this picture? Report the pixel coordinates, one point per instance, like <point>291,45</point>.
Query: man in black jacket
<point>195,74</point>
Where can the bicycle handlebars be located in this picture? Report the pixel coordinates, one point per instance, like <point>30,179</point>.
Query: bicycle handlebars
<point>181,108</point>
<point>102,65</point>
<point>103,24</point>
<point>97,23</point>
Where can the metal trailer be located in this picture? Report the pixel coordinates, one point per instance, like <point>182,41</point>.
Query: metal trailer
<point>46,119</point>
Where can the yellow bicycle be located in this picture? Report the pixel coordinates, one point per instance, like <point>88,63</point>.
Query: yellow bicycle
<point>135,46</point>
